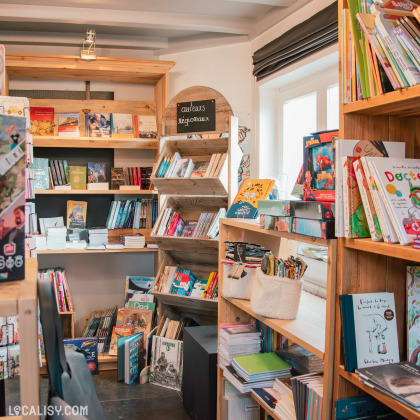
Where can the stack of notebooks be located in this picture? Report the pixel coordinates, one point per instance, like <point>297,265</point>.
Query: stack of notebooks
<point>256,371</point>
<point>237,340</point>
<point>56,237</point>
<point>98,238</point>
<point>308,396</point>
<point>302,360</point>
<point>133,241</point>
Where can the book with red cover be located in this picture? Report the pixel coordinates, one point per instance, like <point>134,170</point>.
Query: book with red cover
<point>173,225</point>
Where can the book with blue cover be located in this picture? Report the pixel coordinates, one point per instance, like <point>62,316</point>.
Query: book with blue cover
<point>89,347</point>
<point>355,407</point>
<point>41,175</point>
<point>130,357</point>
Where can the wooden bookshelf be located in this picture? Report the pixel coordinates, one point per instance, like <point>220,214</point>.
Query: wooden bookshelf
<point>188,303</point>
<point>92,251</point>
<point>314,326</point>
<point>183,186</point>
<point>105,362</point>
<point>204,245</point>
<point>95,192</point>
<point>265,407</point>
<point>365,266</point>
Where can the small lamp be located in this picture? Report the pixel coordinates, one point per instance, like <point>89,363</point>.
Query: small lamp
<point>88,48</point>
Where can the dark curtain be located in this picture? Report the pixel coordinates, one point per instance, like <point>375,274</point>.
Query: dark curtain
<point>316,33</point>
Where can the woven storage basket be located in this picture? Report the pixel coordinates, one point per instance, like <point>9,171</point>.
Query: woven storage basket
<point>276,297</point>
<point>238,288</point>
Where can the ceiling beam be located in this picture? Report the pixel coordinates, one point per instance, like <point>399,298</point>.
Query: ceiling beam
<point>127,18</point>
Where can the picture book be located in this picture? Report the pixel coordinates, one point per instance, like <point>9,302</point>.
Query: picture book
<point>135,304</point>
<point>117,333</point>
<point>369,328</point>
<point>130,357</point>
<point>122,125</point>
<point>183,168</point>
<point>200,169</point>
<point>359,407</point>
<point>3,363</point>
<point>16,106</point>
<point>189,228</point>
<point>96,172</point>
<point>98,125</point>
<point>139,319</point>
<point>359,148</point>
<point>413,314</point>
<point>117,178</point>
<point>137,285</point>
<point>42,121</point>
<point>76,214</point>
<point>68,125</point>
<point>77,177</point>
<point>12,196</point>
<point>167,363</point>
<point>89,347</point>
<point>398,183</point>
<point>40,172</point>
<point>145,126</point>
<point>245,204</point>
<point>13,360</point>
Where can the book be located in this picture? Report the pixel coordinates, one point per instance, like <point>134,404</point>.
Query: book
<point>166,367</point>
<point>88,347</point>
<point>182,168</point>
<point>139,319</point>
<point>130,357</point>
<point>13,360</point>
<point>135,285</point>
<point>68,125</point>
<point>145,126</point>
<point>77,176</point>
<point>356,407</point>
<point>122,125</point>
<point>117,333</point>
<point>3,363</point>
<point>117,178</point>
<point>76,214</point>
<point>98,125</point>
<point>41,174</point>
<point>369,330</point>
<point>200,169</point>
<point>413,314</point>
<point>96,172</point>
<point>42,121</point>
<point>245,204</point>
<point>16,106</point>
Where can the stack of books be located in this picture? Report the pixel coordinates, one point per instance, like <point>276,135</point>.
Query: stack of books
<point>256,371</point>
<point>98,238</point>
<point>237,340</point>
<point>308,396</point>
<point>81,244</point>
<point>133,241</point>
<point>61,287</point>
<point>302,361</point>
<point>56,237</point>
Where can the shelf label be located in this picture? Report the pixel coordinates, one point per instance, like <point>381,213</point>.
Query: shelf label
<point>196,116</point>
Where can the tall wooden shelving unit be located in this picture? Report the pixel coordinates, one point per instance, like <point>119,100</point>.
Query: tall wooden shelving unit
<point>69,68</point>
<point>193,196</point>
<point>314,326</point>
<point>365,266</point>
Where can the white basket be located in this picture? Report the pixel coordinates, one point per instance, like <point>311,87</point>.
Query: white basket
<point>276,297</point>
<point>238,288</point>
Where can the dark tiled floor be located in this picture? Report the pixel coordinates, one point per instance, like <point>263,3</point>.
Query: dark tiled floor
<point>120,401</point>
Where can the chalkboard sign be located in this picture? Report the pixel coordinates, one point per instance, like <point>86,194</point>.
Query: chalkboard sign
<point>196,116</point>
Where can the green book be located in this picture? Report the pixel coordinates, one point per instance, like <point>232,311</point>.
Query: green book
<point>261,362</point>
<point>134,304</point>
<point>77,177</point>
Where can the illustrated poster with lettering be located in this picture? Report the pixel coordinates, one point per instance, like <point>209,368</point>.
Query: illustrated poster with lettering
<point>375,327</point>
<point>398,182</point>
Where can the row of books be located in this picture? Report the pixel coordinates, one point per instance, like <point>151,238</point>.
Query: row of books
<point>97,124</point>
<point>363,407</point>
<point>207,225</point>
<point>61,287</point>
<point>136,214</point>
<point>381,49</point>
<point>123,178</point>
<point>173,166</point>
<point>171,328</point>
<point>9,361</point>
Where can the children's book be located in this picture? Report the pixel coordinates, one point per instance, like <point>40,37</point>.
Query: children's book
<point>138,319</point>
<point>117,178</point>
<point>68,125</point>
<point>98,125</point>
<point>76,214</point>
<point>245,204</point>
<point>77,177</point>
<point>89,347</point>
<point>167,363</point>
<point>369,329</point>
<point>200,169</point>
<point>183,168</point>
<point>15,106</point>
<point>145,126</point>
<point>135,285</point>
<point>398,183</point>
<point>117,333</point>
<point>96,172</point>
<point>41,175</point>
<point>413,314</point>
<point>122,125</point>
<point>3,363</point>
<point>130,357</point>
<point>13,360</point>
<point>42,121</point>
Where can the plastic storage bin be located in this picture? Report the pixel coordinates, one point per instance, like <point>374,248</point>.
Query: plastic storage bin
<point>239,288</point>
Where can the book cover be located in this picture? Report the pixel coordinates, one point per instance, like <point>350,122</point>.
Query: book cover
<point>89,347</point>
<point>3,363</point>
<point>139,319</point>
<point>42,121</point>
<point>117,333</point>
<point>68,125</point>
<point>413,314</point>
<point>245,204</point>
<point>41,174</point>
<point>77,177</point>
<point>98,125</point>
<point>117,178</point>
<point>134,352</point>
<point>167,363</point>
<point>181,168</point>
<point>189,228</point>
<point>146,127</point>
<point>76,214</point>
<point>137,285</point>
<point>96,172</point>
<point>13,360</point>
<point>200,169</point>
<point>16,106</point>
<point>356,407</point>
<point>122,125</point>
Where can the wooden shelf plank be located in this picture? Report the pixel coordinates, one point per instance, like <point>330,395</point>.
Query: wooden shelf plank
<point>402,102</point>
<point>404,252</point>
<point>94,192</point>
<point>190,146</point>
<point>94,143</point>
<point>307,330</point>
<point>265,407</point>
<point>395,405</point>
<point>92,251</point>
<point>105,362</point>
<point>253,225</point>
<point>204,245</point>
<point>187,302</point>
<point>183,186</point>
